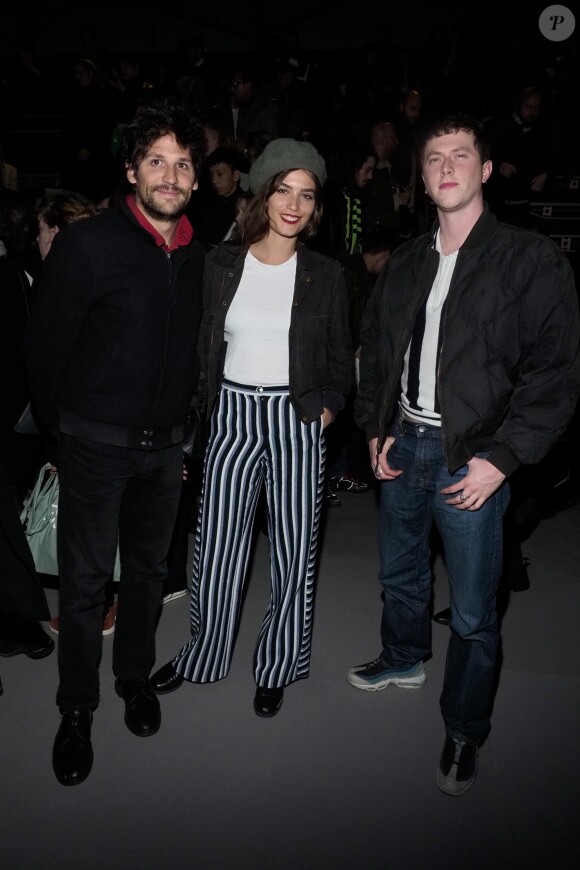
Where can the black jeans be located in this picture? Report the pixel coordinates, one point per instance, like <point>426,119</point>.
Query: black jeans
<point>109,493</point>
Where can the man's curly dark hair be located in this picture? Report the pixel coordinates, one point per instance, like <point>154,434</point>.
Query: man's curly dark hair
<point>163,118</point>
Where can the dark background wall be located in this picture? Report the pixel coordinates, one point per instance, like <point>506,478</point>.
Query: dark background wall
<point>473,56</point>
<point>55,26</point>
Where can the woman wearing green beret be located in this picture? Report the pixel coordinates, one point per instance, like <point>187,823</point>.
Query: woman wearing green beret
<point>276,367</point>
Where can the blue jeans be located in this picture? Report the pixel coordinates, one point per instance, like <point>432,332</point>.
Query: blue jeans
<point>472,542</point>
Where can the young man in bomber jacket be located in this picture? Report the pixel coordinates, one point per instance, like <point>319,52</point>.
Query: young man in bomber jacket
<point>111,348</point>
<point>469,368</point>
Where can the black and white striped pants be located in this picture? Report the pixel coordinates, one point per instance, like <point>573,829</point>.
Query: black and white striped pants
<point>256,436</point>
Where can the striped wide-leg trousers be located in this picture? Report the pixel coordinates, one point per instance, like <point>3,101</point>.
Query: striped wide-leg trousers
<point>256,436</point>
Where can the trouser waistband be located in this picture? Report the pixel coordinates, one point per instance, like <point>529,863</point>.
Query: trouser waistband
<point>256,389</point>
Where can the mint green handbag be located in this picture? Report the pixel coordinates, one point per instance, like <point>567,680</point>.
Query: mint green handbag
<point>39,517</point>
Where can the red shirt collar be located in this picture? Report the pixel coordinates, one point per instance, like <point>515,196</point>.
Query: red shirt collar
<point>183,233</point>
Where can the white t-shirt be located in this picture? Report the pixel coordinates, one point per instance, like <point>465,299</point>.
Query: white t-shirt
<point>257,324</point>
<point>419,401</point>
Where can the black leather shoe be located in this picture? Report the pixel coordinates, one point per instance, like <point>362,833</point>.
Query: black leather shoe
<point>142,710</point>
<point>267,702</point>
<point>72,754</point>
<point>443,617</point>
<point>166,680</point>
<point>35,644</point>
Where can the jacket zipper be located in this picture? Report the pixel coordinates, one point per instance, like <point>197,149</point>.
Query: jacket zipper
<point>172,282</point>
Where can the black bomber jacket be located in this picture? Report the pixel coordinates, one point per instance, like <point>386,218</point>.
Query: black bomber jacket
<point>321,366</point>
<point>508,376</point>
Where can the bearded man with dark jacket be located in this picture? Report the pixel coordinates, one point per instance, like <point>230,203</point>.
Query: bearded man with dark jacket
<point>111,349</point>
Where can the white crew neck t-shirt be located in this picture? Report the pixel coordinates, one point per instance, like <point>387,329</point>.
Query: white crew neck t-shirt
<point>257,324</point>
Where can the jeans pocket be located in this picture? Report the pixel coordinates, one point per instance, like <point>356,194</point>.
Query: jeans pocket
<point>394,459</point>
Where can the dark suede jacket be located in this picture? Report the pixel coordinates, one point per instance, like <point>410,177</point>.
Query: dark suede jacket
<point>111,340</point>
<point>509,371</point>
<point>320,347</point>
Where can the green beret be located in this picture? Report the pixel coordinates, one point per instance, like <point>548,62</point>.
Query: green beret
<point>284,155</point>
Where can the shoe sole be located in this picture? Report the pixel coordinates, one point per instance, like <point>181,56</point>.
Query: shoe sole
<point>148,733</point>
<point>175,595</point>
<point>32,654</point>
<point>400,682</point>
<point>105,632</point>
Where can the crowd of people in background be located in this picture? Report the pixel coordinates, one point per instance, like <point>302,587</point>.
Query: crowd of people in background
<point>365,122</point>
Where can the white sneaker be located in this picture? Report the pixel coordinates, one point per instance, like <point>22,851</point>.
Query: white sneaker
<point>457,767</point>
<point>375,676</point>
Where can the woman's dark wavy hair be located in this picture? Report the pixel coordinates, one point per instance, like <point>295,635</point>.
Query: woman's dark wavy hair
<point>255,222</point>
<point>163,118</point>
<point>456,124</point>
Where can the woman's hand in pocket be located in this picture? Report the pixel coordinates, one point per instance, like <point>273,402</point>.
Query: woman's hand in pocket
<point>327,417</point>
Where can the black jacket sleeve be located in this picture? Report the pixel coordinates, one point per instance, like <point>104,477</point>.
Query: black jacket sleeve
<point>63,299</point>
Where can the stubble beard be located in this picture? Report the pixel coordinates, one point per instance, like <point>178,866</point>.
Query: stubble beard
<point>173,210</point>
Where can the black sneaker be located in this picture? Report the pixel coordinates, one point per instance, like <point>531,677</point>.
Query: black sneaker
<point>457,767</point>
<point>330,497</point>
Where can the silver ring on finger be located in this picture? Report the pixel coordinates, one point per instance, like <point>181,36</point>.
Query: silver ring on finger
<point>462,497</point>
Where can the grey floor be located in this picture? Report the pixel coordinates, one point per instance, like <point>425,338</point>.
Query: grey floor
<point>340,779</point>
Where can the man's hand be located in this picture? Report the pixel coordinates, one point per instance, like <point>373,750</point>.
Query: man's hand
<point>403,196</point>
<point>481,481</point>
<point>538,182</point>
<point>379,464</point>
